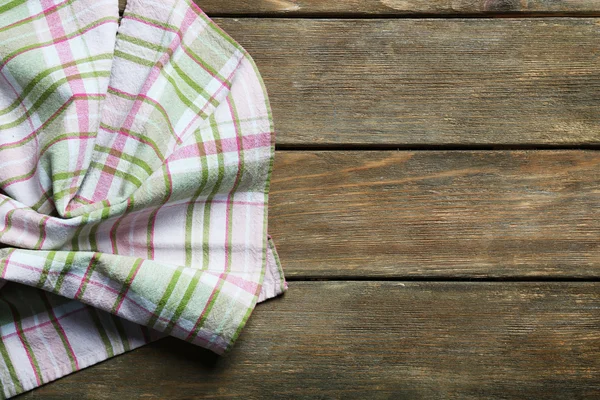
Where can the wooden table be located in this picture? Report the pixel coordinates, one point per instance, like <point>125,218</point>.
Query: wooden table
<point>435,202</point>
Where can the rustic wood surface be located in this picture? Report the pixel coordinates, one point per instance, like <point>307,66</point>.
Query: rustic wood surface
<point>428,82</point>
<point>437,213</point>
<point>378,340</point>
<point>381,245</point>
<point>396,7</point>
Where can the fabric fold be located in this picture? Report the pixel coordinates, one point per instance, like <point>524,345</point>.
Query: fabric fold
<point>135,161</point>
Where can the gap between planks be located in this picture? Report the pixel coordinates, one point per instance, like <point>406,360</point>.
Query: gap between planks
<point>396,8</point>
<point>433,147</point>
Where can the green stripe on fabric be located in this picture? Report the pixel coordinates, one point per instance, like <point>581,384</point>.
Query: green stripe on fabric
<point>87,276</point>
<point>11,368</point>
<point>82,224</point>
<point>94,231</point>
<point>241,325</point>
<point>115,172</point>
<point>122,94</point>
<point>134,59</point>
<point>126,284</point>
<point>50,120</point>
<point>206,66</point>
<point>193,84</point>
<point>152,218</point>
<point>140,136</point>
<point>159,48</point>
<point>9,6</point>
<point>8,225</point>
<point>64,136</point>
<point>189,218</point>
<point>152,21</point>
<point>19,326</point>
<point>113,231</point>
<point>216,188</point>
<point>134,160</point>
<point>46,269</point>
<point>142,43</point>
<point>71,35</point>
<point>43,199</point>
<point>110,352</point>
<point>37,17</point>
<point>122,334</point>
<point>78,22</point>
<point>59,331</point>
<point>207,309</point>
<point>61,176</point>
<point>187,102</point>
<point>52,89</point>
<point>5,263</point>
<point>183,303</point>
<point>153,104</point>
<point>165,298</point>
<point>39,77</point>
<point>65,270</point>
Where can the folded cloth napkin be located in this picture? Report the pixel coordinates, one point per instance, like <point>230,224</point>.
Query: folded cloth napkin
<point>135,159</point>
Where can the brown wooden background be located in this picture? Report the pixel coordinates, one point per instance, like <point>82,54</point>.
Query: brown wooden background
<point>435,202</point>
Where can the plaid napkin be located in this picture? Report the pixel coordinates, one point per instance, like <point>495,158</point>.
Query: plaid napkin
<point>135,158</point>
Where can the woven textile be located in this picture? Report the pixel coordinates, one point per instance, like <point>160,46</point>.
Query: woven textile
<point>135,158</point>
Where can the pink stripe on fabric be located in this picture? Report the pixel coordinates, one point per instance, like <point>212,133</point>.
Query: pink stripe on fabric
<point>100,285</point>
<point>155,103</point>
<point>248,286</point>
<point>105,181</point>
<point>153,75</point>
<point>93,26</point>
<point>208,302</point>
<point>227,145</point>
<point>34,16</point>
<point>46,323</point>
<point>184,48</point>
<point>85,274</point>
<point>235,183</point>
<point>21,336</point>
<point>127,289</point>
<point>62,331</point>
<point>65,55</point>
<point>141,140</point>
<point>74,97</point>
<point>216,93</point>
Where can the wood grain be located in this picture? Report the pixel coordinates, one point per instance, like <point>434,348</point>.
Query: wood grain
<point>394,7</point>
<point>428,82</point>
<point>378,340</point>
<point>437,213</point>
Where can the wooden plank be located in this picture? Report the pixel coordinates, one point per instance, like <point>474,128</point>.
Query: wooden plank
<point>379,340</point>
<point>428,82</point>
<point>395,7</point>
<point>437,213</point>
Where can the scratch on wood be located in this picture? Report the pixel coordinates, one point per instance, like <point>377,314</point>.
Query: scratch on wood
<point>400,5</point>
<point>285,5</point>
